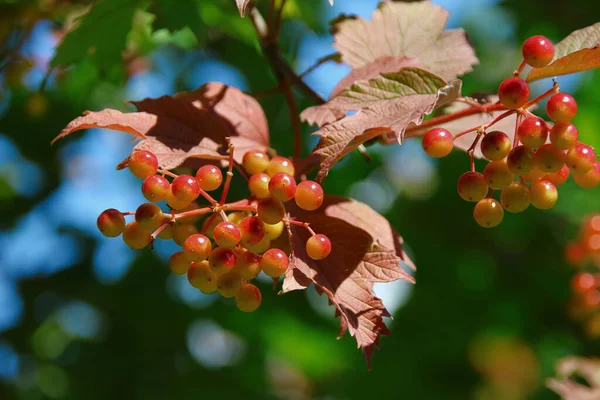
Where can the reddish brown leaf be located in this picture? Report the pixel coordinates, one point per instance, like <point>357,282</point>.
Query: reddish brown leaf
<point>406,29</point>
<point>242,5</point>
<point>365,249</point>
<point>188,125</point>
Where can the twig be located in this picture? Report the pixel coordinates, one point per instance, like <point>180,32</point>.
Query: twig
<point>320,61</point>
<point>294,117</point>
<point>229,172</point>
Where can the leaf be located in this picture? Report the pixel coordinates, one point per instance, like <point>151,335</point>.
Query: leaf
<point>580,51</point>
<point>102,31</point>
<point>388,104</point>
<point>406,29</point>
<point>188,124</point>
<point>365,250</point>
<point>241,5</point>
<point>174,18</point>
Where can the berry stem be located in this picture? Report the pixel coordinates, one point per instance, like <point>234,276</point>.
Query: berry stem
<point>237,207</point>
<point>306,225</point>
<point>517,123</point>
<point>519,70</point>
<point>159,230</point>
<point>471,150</point>
<point>497,119</point>
<point>192,213</point>
<point>555,89</point>
<point>128,213</point>
<point>229,172</point>
<point>164,172</point>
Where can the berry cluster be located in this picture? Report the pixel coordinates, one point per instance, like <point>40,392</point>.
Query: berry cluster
<point>584,254</point>
<point>529,168</point>
<point>232,244</point>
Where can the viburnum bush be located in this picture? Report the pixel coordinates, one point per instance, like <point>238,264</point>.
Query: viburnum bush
<point>403,84</point>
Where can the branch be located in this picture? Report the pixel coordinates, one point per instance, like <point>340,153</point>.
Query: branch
<point>294,117</point>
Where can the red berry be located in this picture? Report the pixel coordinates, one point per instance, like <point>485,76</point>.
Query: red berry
<point>488,213</point>
<point>253,230</point>
<point>515,197</point>
<point>564,135</point>
<point>209,177</point>
<point>543,194</point>
<point>149,216</point>
<point>260,247</point>
<point>558,178</point>
<point>258,185</point>
<point>438,142</point>
<point>156,188</point>
<point>520,160</point>
<point>248,298</point>
<point>576,254</point>
<point>309,195</point>
<point>497,174</point>
<point>533,176</point>
<point>532,132</point>
<point>111,222</point>
<point>247,264</point>
<point>549,159</point>
<point>270,210</point>
<point>185,188</point>
<point>538,51</point>
<point>229,284</point>
<point>318,247</point>
<point>135,236</point>
<point>197,247</point>
<point>255,161</point>
<point>221,260</point>
<point>590,179</point>
<point>513,92</point>
<point>176,204</point>
<point>280,164</point>
<point>584,282</point>
<point>495,145</point>
<point>227,234</point>
<point>202,277</point>
<point>142,163</point>
<point>580,158</point>
<point>282,186</point>
<point>274,263</point>
<point>179,263</point>
<point>561,107</point>
<point>472,186</point>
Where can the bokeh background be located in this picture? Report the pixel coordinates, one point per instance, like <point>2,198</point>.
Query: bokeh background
<point>84,317</point>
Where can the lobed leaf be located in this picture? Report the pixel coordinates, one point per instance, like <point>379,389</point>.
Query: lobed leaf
<point>580,51</point>
<point>188,124</point>
<point>365,250</point>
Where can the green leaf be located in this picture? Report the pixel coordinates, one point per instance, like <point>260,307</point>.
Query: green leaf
<point>580,51</point>
<point>102,32</point>
<point>175,16</point>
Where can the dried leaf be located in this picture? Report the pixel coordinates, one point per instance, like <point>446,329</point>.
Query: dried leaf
<point>568,388</point>
<point>188,124</point>
<point>406,29</point>
<point>365,249</point>
<point>580,51</point>
<point>241,5</point>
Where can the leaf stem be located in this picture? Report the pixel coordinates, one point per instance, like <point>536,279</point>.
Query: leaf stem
<point>229,172</point>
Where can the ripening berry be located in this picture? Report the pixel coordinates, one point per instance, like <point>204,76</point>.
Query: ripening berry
<point>274,263</point>
<point>280,164</point>
<point>515,197</point>
<point>253,230</point>
<point>190,219</point>
<point>549,159</point>
<point>584,282</point>
<point>182,231</point>
<point>221,260</point>
<point>247,264</point>
<point>564,135</point>
<point>209,177</point>
<point>497,175</point>
<point>135,236</point>
<point>580,158</point>
<point>179,263</point>
<point>111,222</point>
<point>561,107</point>
<point>270,210</point>
<point>156,188</point>
<point>438,142</point>
<point>538,51</point>
<point>590,179</point>
<point>472,186</point>
<point>488,213</point>
<point>272,232</point>
<point>558,178</point>
<point>176,204</point>
<point>318,247</point>
<point>149,216</point>
<point>237,217</point>
<point>197,247</point>
<point>166,233</point>
<point>248,298</point>
<point>520,160</point>
<point>495,145</point>
<point>282,186</point>
<point>309,195</point>
<point>142,163</point>
<point>202,277</point>
<point>227,234</point>
<point>255,161</point>
<point>543,194</point>
<point>260,247</point>
<point>229,284</point>
<point>209,225</point>
<point>513,92</point>
<point>258,185</point>
<point>533,176</point>
<point>532,132</point>
<point>185,188</point>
